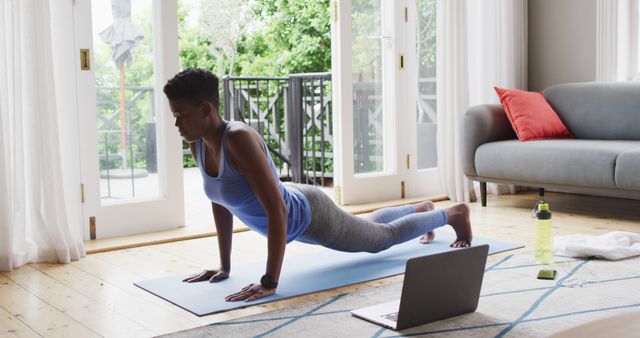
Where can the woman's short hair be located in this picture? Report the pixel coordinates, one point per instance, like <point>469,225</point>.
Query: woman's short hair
<point>195,85</point>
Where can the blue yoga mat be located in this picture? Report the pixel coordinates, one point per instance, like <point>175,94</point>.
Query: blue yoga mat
<point>303,274</point>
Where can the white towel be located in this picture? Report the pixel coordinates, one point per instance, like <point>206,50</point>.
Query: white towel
<point>613,245</point>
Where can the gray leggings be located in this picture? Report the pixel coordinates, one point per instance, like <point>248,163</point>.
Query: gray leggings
<point>339,230</point>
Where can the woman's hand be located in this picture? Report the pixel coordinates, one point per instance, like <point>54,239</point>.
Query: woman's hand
<point>212,275</point>
<point>251,292</point>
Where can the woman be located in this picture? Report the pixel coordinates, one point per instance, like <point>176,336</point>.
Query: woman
<point>240,179</point>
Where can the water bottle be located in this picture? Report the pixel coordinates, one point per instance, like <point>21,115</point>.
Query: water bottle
<point>544,238</point>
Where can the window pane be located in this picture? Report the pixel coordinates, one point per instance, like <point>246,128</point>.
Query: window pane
<point>123,66</point>
<point>426,105</point>
<point>367,86</point>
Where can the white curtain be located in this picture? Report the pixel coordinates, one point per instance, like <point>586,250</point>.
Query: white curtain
<point>617,40</point>
<point>481,44</point>
<point>35,225</point>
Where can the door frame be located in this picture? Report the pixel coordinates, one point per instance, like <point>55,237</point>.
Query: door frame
<point>401,177</point>
<point>140,215</point>
<point>420,182</point>
<point>351,187</point>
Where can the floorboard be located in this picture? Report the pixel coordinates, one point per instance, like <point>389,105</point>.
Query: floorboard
<point>96,297</point>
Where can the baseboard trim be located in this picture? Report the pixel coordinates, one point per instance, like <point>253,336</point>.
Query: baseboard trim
<point>188,233</point>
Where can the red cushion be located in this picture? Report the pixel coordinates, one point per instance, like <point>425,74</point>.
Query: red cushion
<point>531,116</point>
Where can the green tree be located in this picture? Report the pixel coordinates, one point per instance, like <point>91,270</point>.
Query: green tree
<point>292,37</point>
<point>295,38</point>
<point>194,49</point>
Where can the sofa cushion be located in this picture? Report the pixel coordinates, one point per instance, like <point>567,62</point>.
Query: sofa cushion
<point>598,110</point>
<point>628,170</point>
<point>589,163</point>
<point>531,116</point>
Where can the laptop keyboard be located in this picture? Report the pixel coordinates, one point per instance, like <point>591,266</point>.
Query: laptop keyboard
<point>391,316</point>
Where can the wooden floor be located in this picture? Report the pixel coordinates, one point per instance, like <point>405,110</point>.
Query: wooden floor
<point>96,297</point>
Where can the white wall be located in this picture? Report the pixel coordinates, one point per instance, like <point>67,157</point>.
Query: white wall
<point>562,42</point>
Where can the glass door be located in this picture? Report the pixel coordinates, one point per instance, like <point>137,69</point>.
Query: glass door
<point>130,152</point>
<point>384,100</point>
<point>365,68</point>
<point>420,110</point>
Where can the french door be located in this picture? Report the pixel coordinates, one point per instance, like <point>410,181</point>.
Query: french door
<point>131,156</point>
<point>383,75</point>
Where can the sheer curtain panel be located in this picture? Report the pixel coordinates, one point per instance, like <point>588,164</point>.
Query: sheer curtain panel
<point>35,224</point>
<point>617,40</point>
<point>481,44</point>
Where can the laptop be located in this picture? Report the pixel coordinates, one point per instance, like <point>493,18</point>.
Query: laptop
<point>435,287</point>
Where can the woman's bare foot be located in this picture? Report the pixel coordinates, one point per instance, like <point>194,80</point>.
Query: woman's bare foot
<point>422,207</point>
<point>458,216</point>
<point>428,238</point>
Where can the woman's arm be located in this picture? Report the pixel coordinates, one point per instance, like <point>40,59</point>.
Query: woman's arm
<point>224,226</point>
<point>248,155</point>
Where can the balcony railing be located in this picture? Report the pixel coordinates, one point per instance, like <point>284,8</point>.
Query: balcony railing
<point>294,116</point>
<point>139,134</point>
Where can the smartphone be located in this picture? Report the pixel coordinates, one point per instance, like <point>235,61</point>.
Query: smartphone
<point>547,274</point>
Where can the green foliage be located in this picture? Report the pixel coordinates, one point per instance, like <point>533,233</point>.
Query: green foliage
<point>295,38</point>
<point>194,49</point>
<point>427,37</point>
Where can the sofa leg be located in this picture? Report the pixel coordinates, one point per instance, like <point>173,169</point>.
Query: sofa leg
<point>483,193</point>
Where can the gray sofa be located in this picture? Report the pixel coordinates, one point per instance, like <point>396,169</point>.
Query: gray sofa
<point>603,159</point>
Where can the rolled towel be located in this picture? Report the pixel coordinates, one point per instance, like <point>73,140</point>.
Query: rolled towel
<point>613,245</point>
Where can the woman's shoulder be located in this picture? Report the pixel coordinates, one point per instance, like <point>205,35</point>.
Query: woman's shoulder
<point>243,144</point>
<point>241,135</point>
<point>237,126</point>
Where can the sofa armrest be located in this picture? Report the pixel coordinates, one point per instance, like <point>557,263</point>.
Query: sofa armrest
<point>482,124</point>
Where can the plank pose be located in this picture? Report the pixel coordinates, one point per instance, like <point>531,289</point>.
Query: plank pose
<point>241,179</point>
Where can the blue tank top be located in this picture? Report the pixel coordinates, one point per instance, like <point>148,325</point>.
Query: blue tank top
<point>231,190</point>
